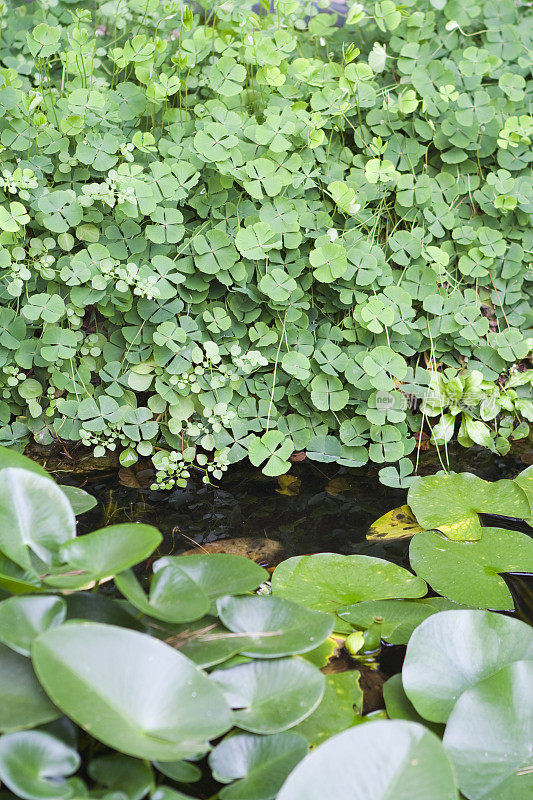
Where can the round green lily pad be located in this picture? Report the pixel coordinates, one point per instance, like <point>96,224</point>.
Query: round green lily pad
<point>467,572</point>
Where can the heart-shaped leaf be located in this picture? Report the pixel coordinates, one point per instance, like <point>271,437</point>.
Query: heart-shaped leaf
<point>453,650</point>
<point>467,572</point>
<point>396,619</point>
<point>120,773</point>
<point>23,704</point>
<point>22,619</point>
<point>274,626</point>
<point>130,690</point>
<point>35,517</point>
<point>381,760</point>
<point>326,581</point>
<point>218,574</point>
<point>36,765</point>
<point>489,733</point>
<point>174,597</point>
<point>451,503</point>
<point>340,708</point>
<point>102,554</point>
<point>271,696</point>
<point>258,765</point>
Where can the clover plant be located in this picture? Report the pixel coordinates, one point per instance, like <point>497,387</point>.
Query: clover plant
<point>230,230</point>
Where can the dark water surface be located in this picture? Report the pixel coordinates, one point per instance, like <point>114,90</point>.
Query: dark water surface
<point>331,512</point>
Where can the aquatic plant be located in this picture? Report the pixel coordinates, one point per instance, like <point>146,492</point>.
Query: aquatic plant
<point>236,232</point>
<point>204,674</point>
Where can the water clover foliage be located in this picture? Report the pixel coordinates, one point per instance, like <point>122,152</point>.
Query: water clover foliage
<point>230,231</point>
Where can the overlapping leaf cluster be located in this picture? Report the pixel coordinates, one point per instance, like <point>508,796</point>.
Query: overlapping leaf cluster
<point>250,232</point>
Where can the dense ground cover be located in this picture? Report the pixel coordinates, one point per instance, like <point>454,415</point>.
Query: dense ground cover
<point>235,232</point>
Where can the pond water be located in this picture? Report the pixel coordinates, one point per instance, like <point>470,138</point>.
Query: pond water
<point>331,510</point>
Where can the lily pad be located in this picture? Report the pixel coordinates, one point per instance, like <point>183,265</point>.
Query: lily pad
<point>35,517</point>
<point>397,619</point>
<point>451,503</point>
<point>22,619</point>
<point>130,690</point>
<point>119,773</point>
<point>179,771</point>
<point>102,554</point>
<point>467,572</point>
<point>400,523</point>
<point>379,760</point>
<point>489,735</point>
<point>218,574</point>
<point>525,482</point>
<point>453,650</point>
<point>399,706</point>
<point>274,626</point>
<point>205,641</point>
<point>326,581</point>
<point>174,597</point>
<point>12,458</point>
<point>258,765</point>
<point>271,696</point>
<point>80,501</point>
<point>340,708</point>
<point>36,765</point>
<point>23,703</point>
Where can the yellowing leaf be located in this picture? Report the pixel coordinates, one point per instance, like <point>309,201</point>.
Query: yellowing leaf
<point>399,523</point>
<point>289,485</point>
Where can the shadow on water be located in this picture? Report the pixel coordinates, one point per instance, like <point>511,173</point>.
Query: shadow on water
<point>331,510</point>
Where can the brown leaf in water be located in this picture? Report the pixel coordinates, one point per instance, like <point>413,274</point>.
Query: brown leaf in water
<point>422,440</point>
<point>337,485</point>
<point>300,456</point>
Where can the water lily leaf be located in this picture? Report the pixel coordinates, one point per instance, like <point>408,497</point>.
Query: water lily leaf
<point>381,760</point>
<point>271,696</point>
<point>340,708</point>
<point>35,517</point>
<point>274,626</point>
<point>453,650</point>
<point>15,580</point>
<point>23,704</point>
<point>397,619</point>
<point>467,572</point>
<point>451,503</point>
<point>525,482</point>
<point>180,771</point>
<point>206,642</point>
<point>259,765</point>
<point>399,706</point>
<point>101,608</point>
<point>11,458</point>
<point>166,793</point>
<point>218,574</point>
<point>131,691</point>
<point>400,523</point>
<point>488,735</point>
<point>102,554</point>
<point>80,500</point>
<point>36,765</point>
<point>120,773</point>
<point>326,581</point>
<point>22,619</point>
<point>174,596</point>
